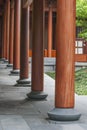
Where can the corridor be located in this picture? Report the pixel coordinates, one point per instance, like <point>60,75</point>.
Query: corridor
<point>17,112</point>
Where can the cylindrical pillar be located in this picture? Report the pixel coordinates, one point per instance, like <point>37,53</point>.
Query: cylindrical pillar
<point>4,33</point>
<point>37,51</point>
<point>1,27</point>
<point>7,30</point>
<point>24,48</point>
<point>1,37</point>
<point>11,36</point>
<point>49,31</point>
<point>65,54</point>
<point>16,46</point>
<point>2,46</point>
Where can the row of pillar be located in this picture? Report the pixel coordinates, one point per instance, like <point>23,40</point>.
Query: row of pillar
<point>65,41</point>
<point>8,48</point>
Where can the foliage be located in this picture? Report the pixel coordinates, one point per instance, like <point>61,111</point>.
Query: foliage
<point>80,81</point>
<point>51,74</point>
<point>81,17</point>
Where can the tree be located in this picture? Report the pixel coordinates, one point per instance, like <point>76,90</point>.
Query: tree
<point>81,17</point>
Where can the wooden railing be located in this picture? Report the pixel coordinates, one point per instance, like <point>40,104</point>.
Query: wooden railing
<point>80,51</point>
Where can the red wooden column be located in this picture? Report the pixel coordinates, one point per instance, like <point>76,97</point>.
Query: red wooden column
<point>2,56</point>
<point>4,33</point>
<point>24,47</point>
<point>1,26</point>
<point>2,30</point>
<point>37,52</point>
<point>49,31</point>
<point>7,29</point>
<point>64,91</point>
<point>11,36</point>
<point>16,46</point>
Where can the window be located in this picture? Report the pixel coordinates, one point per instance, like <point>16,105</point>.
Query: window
<point>79,47</point>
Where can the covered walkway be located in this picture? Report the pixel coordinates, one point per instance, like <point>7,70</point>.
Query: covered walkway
<point>19,113</point>
<point>21,107</point>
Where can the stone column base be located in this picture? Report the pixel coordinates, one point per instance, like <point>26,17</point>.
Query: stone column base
<point>2,59</point>
<point>15,72</point>
<point>24,83</point>
<point>10,65</point>
<point>62,114</point>
<point>37,95</point>
<point>5,61</point>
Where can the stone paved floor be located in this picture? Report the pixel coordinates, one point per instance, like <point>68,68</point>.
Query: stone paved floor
<point>19,113</point>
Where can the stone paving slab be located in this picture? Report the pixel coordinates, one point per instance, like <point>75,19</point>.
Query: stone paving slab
<point>47,127</point>
<point>1,128</point>
<point>14,123</point>
<point>84,126</point>
<point>73,127</point>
